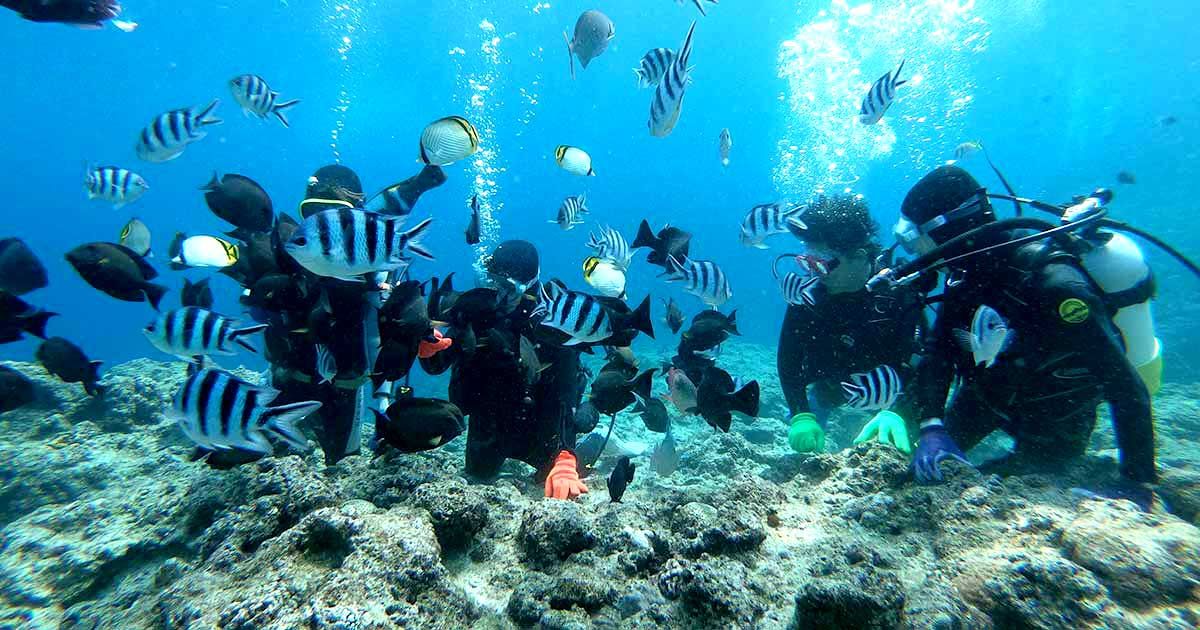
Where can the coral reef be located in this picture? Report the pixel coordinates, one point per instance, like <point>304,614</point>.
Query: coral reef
<point>107,524</point>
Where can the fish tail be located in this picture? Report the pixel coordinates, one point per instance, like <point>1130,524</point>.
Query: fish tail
<point>746,399</point>
<point>645,236</point>
<point>413,239</point>
<point>641,318</point>
<point>154,293</point>
<point>236,335</point>
<point>91,384</point>
<point>36,325</point>
<point>204,118</point>
<point>282,421</point>
<point>278,111</point>
<point>641,78</point>
<point>643,384</point>
<point>733,329</point>
<point>570,53</point>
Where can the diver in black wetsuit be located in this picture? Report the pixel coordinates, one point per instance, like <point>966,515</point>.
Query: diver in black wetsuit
<point>89,13</point>
<point>846,329</point>
<point>513,413</point>
<point>1065,357</point>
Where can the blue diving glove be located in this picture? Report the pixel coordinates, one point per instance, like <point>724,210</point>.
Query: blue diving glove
<point>934,446</point>
<point>886,427</point>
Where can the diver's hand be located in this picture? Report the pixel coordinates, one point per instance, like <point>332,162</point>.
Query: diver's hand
<point>563,481</point>
<point>935,446</point>
<point>806,436</point>
<point>428,347</point>
<point>886,427</point>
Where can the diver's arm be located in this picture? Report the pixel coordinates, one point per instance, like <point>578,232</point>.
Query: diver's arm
<point>935,369</point>
<point>1103,352</point>
<point>790,361</point>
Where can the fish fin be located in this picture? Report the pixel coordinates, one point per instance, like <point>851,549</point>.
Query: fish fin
<point>642,385</point>
<point>732,322</point>
<point>964,339</point>
<point>213,184</point>
<point>120,204</point>
<point>724,161</point>
<point>36,325</point>
<point>573,341</point>
<point>855,394</point>
<point>204,117</point>
<point>570,53</point>
<point>282,421</point>
<point>759,246</point>
<point>154,293</point>
<point>125,26</point>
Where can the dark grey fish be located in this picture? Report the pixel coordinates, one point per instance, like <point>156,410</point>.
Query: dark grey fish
<point>473,227</point>
<point>69,363</point>
<point>136,236</point>
<point>117,271</point>
<point>18,318</point>
<point>419,424</point>
<point>593,31</point>
<point>619,479</point>
<point>1125,177</point>
<point>654,415</point>
<point>399,199</point>
<point>20,269</point>
<point>586,417</point>
<point>240,201</point>
<point>16,391</point>
<point>197,294</point>
<point>675,317</point>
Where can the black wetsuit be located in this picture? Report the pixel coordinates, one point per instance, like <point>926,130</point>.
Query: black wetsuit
<point>81,12</point>
<point>509,419</point>
<point>1066,357</point>
<point>842,334</point>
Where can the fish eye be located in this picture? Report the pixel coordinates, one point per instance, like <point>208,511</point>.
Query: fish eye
<point>300,241</point>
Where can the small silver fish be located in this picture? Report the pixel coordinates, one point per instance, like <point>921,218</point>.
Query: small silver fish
<point>136,236</point>
<point>725,145</point>
<point>967,149</point>
<point>665,458</point>
<point>988,338</point>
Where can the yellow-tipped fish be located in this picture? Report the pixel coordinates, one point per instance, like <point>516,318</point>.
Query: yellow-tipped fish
<point>574,160</point>
<point>604,276</point>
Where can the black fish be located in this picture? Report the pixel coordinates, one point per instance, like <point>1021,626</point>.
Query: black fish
<point>473,226</point>
<point>441,297</point>
<point>709,329</point>
<point>18,317</point>
<point>117,271</point>
<point>613,391</point>
<point>277,293</point>
<point>241,202</point>
<point>588,451</point>
<point>670,241</point>
<point>586,417</point>
<point>66,361</point>
<point>654,414</point>
<point>619,479</point>
<point>418,424</point>
<point>531,364</point>
<point>394,361</point>
<point>20,270</point>
<point>16,391</point>
<point>1125,177</point>
<point>198,294</point>
<point>675,317</point>
<point>85,13</point>
<point>404,317</point>
<point>716,398</point>
<point>400,199</point>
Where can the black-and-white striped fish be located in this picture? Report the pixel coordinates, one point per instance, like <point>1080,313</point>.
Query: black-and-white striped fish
<point>797,289</point>
<point>667,103</point>
<point>168,134</point>
<point>579,315</point>
<point>769,219</point>
<point>326,366</point>
<point>874,390</point>
<point>256,97</point>
<point>571,211</point>
<point>698,4</point>
<point>880,97</point>
<point>191,331</point>
<point>704,279</point>
<point>115,185</point>
<point>611,246</point>
<point>653,66</point>
<point>219,411</point>
<point>448,140</point>
<point>344,243</point>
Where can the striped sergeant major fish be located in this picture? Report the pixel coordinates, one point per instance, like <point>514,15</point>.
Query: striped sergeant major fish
<point>256,97</point>
<point>797,290</point>
<point>344,243</point>
<point>769,219</point>
<point>668,97</point>
<point>115,185</point>
<point>874,390</point>
<point>703,278</point>
<point>653,66</point>
<point>170,133</point>
<point>219,411</point>
<point>880,97</point>
<point>571,211</point>
<point>612,247</point>
<point>196,332</point>
<point>579,315</point>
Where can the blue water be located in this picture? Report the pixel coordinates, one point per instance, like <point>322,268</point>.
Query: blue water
<point>1064,98</point>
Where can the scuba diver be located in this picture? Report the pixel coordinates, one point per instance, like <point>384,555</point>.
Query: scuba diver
<point>519,388</point>
<point>838,331</point>
<point>1040,322</point>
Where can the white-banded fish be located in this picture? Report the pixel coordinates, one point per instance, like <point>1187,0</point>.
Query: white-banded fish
<point>326,366</point>
<point>170,133</point>
<point>256,97</point>
<point>196,332</point>
<point>667,103</point>
<point>607,278</point>
<point>202,251</point>
<point>880,97</point>
<point>725,145</point>
<point>699,5</point>
<point>448,140</point>
<point>344,243</point>
<point>571,211</point>
<point>612,247</point>
<point>579,315</point>
<point>136,236</point>
<point>769,219</point>
<point>797,289</point>
<point>218,411</point>
<point>574,160</point>
<point>653,66</point>
<point>874,390</point>
<point>703,278</point>
<point>115,185</point>
<point>988,338</point>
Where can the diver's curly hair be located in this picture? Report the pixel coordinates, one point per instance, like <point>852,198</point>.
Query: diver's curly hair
<point>841,222</point>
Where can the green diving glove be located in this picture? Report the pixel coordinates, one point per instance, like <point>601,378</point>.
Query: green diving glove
<point>887,427</point>
<point>806,436</point>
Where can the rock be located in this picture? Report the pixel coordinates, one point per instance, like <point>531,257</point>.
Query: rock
<point>458,511</point>
<point>1036,589</point>
<point>715,589</point>
<point>868,600</point>
<point>551,531</point>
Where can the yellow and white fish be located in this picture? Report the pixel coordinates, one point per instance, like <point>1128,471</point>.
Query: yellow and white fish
<point>604,276</point>
<point>574,160</point>
<point>448,140</point>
